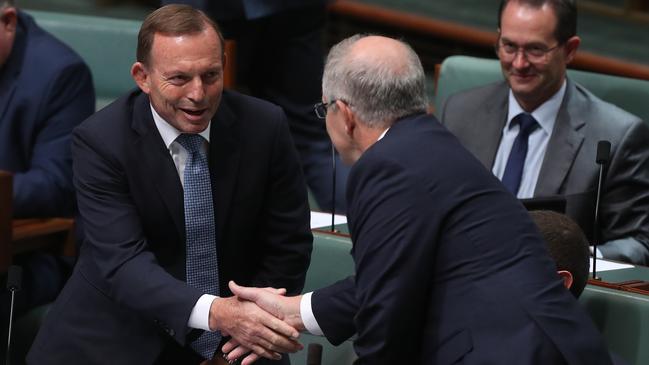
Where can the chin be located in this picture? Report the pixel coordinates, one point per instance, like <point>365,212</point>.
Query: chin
<point>192,127</point>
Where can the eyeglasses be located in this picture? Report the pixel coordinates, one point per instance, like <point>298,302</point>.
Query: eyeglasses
<point>321,108</point>
<point>507,51</point>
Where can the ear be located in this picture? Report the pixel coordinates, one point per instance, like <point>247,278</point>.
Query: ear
<point>567,278</point>
<point>349,118</point>
<point>571,48</point>
<point>141,76</point>
<point>9,19</point>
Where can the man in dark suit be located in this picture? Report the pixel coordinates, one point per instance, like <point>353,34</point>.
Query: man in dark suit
<point>537,39</point>
<point>279,57</point>
<point>181,187</point>
<point>45,91</point>
<point>449,267</point>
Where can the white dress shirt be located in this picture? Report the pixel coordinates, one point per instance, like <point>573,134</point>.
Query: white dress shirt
<point>199,318</point>
<point>546,116</point>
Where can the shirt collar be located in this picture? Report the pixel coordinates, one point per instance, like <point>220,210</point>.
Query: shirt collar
<point>383,134</point>
<point>545,114</point>
<point>169,133</point>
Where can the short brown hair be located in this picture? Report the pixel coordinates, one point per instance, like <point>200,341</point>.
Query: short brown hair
<point>173,20</point>
<point>565,11</point>
<point>566,244</point>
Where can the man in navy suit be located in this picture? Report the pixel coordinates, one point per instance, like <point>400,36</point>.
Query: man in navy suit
<point>279,58</point>
<point>45,91</point>
<point>128,300</point>
<point>449,266</point>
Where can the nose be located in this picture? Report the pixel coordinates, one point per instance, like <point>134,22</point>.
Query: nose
<point>520,60</point>
<point>196,92</point>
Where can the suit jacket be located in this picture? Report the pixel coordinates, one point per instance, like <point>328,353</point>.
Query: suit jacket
<point>45,91</point>
<point>478,116</point>
<point>449,267</point>
<point>127,298</point>
<point>245,9</point>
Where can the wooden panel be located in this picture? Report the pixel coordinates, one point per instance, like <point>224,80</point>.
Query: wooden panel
<point>23,235</point>
<point>229,72</point>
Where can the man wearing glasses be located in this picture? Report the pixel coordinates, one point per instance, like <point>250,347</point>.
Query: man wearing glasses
<point>538,130</point>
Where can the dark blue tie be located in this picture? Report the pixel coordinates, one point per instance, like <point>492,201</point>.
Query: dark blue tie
<point>514,169</point>
<point>201,265</point>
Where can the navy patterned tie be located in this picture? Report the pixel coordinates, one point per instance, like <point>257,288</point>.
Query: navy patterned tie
<point>514,168</point>
<point>202,265</point>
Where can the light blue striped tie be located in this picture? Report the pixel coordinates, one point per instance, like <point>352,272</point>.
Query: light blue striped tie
<point>202,264</point>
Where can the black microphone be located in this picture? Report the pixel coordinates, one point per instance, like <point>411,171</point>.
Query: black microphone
<point>314,354</point>
<point>603,154</point>
<point>14,281</point>
<point>333,186</point>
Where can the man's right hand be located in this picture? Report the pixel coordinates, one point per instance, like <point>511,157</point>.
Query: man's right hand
<point>286,308</point>
<point>253,328</point>
<point>282,307</point>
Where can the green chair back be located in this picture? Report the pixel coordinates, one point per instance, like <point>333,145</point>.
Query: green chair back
<point>106,44</point>
<point>623,319</point>
<point>330,261</point>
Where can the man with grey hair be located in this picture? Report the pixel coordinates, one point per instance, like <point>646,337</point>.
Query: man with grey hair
<point>449,266</point>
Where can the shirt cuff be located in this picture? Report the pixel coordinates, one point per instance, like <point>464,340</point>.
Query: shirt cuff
<point>306,313</point>
<point>200,316</point>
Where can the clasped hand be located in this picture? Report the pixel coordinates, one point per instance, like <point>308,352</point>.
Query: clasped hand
<point>261,321</point>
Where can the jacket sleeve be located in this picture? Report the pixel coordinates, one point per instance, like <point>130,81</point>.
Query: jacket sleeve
<point>45,189</point>
<point>625,200</point>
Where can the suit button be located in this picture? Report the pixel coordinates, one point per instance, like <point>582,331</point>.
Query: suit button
<point>170,332</point>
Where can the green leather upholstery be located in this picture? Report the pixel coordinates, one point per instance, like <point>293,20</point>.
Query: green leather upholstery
<point>330,261</point>
<point>623,319</point>
<point>106,44</point>
<point>459,73</point>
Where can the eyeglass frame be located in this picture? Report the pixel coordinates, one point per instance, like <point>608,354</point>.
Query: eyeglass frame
<point>321,108</point>
<point>525,50</point>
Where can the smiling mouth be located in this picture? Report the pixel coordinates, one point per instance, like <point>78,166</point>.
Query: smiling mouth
<point>194,112</point>
<point>523,77</point>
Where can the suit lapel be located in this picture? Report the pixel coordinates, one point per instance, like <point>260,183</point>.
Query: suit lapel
<point>564,144</point>
<point>490,127</point>
<point>158,165</point>
<point>224,162</point>
<point>11,69</point>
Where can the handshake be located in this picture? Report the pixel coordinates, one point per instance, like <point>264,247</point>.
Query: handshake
<point>262,322</point>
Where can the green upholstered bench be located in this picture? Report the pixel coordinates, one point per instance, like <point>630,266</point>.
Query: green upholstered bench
<point>330,261</point>
<point>623,319</point>
<point>458,73</point>
<point>106,44</point>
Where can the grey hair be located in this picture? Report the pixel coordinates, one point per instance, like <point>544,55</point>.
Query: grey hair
<point>378,91</point>
<point>6,3</point>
